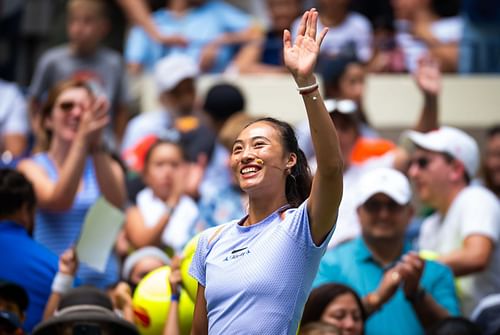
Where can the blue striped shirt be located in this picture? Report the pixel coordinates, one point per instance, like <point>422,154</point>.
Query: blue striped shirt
<point>59,230</point>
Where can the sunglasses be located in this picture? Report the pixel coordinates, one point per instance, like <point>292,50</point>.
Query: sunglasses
<point>67,106</point>
<point>421,162</point>
<point>375,206</point>
<point>343,106</point>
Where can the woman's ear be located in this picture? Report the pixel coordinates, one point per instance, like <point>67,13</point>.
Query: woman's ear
<point>292,161</point>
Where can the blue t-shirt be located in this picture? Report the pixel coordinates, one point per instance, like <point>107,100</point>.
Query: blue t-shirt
<point>59,230</point>
<point>352,264</point>
<point>28,264</point>
<point>200,26</point>
<point>257,278</point>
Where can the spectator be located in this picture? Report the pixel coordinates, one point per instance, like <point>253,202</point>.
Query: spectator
<point>455,326</point>
<point>141,262</point>
<point>73,172</point>
<point>485,315</point>
<point>265,55</point>
<point>421,31</point>
<point>85,310</point>
<point>338,305</point>
<point>467,240</point>
<point>178,121</point>
<point>206,31</point>
<point>14,124</point>
<point>479,47</point>
<point>342,113</point>
<point>13,305</point>
<point>350,33</point>
<point>491,165</point>
<point>24,261</point>
<point>319,328</point>
<point>402,294</point>
<point>164,216</point>
<point>85,59</point>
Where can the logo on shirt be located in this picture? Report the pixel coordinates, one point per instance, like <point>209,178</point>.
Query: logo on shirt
<point>237,253</point>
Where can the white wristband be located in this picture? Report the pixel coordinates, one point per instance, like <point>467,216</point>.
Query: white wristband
<point>308,88</point>
<point>62,283</point>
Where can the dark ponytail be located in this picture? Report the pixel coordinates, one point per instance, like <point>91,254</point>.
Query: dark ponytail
<point>298,182</point>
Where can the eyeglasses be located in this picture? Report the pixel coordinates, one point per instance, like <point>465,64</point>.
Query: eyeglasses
<point>375,206</point>
<point>344,106</point>
<point>421,162</point>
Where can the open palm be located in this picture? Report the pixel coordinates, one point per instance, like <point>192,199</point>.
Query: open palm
<point>301,56</point>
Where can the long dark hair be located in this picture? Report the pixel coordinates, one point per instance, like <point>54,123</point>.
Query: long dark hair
<point>298,182</point>
<point>322,296</point>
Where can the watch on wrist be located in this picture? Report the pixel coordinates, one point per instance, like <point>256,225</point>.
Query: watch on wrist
<point>416,296</point>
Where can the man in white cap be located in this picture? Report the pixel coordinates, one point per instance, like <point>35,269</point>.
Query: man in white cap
<point>175,79</point>
<point>402,293</point>
<point>464,231</point>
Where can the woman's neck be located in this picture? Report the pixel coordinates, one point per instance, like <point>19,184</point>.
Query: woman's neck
<point>58,151</point>
<point>262,207</point>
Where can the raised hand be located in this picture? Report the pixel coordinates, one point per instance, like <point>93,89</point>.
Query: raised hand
<point>428,76</point>
<point>300,56</point>
<point>68,262</point>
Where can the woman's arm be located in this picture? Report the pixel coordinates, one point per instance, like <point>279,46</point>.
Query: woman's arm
<point>110,178</point>
<point>139,234</point>
<point>326,193</point>
<point>200,319</point>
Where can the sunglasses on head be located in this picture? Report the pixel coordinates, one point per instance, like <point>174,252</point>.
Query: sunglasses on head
<point>375,206</point>
<point>344,106</point>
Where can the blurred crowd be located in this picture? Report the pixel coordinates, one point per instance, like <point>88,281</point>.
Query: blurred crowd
<point>416,246</point>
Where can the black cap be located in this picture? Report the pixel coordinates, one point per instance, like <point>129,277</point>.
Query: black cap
<point>12,292</point>
<point>86,306</point>
<point>223,100</point>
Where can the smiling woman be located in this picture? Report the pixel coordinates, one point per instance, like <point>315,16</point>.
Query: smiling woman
<point>73,171</point>
<point>254,274</point>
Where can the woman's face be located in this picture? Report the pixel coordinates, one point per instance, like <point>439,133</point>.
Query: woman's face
<point>344,313</point>
<point>163,169</point>
<point>492,160</point>
<point>66,114</point>
<point>352,83</point>
<point>143,267</point>
<point>258,160</point>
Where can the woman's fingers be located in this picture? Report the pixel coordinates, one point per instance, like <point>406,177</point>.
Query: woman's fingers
<point>287,39</point>
<point>302,26</point>
<point>311,23</point>
<point>321,36</point>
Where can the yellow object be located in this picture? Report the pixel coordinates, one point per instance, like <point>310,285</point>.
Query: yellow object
<point>151,303</point>
<point>190,284</point>
<point>428,255</point>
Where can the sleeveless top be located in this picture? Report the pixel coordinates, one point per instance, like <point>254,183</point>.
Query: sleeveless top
<point>59,230</point>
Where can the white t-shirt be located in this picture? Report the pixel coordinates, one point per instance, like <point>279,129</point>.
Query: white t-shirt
<point>474,211</point>
<point>447,30</point>
<point>348,226</point>
<point>13,114</point>
<point>355,30</point>
<point>180,227</point>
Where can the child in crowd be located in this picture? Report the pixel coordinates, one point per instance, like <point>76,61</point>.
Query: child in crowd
<point>85,59</point>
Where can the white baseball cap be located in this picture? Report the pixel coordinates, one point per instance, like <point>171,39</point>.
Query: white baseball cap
<point>171,70</point>
<point>451,141</point>
<point>387,181</point>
